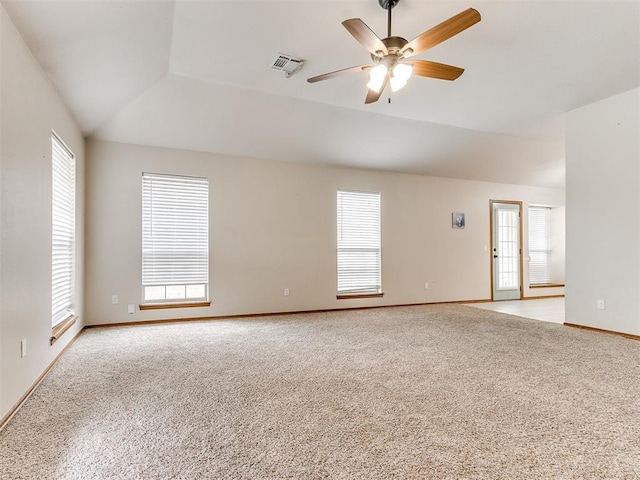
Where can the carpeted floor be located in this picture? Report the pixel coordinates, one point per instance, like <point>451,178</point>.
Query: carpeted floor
<point>427,392</point>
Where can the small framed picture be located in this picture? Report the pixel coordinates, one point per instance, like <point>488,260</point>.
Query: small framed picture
<point>457,220</point>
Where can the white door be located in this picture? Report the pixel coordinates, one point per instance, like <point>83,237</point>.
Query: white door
<point>506,250</point>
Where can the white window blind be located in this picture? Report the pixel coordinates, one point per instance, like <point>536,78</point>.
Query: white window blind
<point>63,228</point>
<point>175,237</point>
<point>539,245</point>
<point>359,269</point>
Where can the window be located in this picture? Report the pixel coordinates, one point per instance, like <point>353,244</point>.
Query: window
<point>63,231</point>
<point>175,238</point>
<point>359,271</point>
<point>539,245</point>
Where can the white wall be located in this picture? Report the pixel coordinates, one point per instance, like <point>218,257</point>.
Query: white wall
<point>603,214</point>
<point>273,226</point>
<point>30,109</point>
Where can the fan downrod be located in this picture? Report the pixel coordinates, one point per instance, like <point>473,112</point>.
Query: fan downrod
<point>388,5</point>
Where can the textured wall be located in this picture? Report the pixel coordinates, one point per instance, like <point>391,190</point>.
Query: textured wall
<point>603,213</point>
<point>273,227</point>
<point>30,109</point>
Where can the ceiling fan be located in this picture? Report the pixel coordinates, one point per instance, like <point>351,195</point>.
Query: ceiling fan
<point>389,55</point>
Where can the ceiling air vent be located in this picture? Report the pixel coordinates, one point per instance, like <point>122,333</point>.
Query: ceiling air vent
<point>287,64</point>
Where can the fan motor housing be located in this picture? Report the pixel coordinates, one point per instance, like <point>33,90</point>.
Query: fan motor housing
<point>393,44</point>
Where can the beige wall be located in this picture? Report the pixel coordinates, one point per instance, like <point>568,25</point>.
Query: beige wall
<point>30,109</point>
<point>603,214</point>
<point>273,227</point>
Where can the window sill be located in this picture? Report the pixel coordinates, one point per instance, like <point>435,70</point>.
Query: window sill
<point>62,327</point>
<point>158,306</point>
<point>359,295</point>
<point>547,285</point>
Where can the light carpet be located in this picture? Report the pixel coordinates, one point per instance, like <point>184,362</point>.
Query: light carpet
<point>428,392</point>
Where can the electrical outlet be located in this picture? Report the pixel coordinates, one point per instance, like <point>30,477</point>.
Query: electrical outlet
<point>600,304</point>
<point>23,348</point>
<point>114,299</point>
<point>286,292</point>
<point>426,285</point>
<point>131,308</point>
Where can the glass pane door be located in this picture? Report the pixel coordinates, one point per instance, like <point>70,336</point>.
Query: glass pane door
<point>506,251</point>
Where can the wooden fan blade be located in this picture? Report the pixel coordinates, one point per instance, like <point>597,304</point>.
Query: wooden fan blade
<point>363,34</point>
<point>329,75</point>
<point>442,32</point>
<point>374,96</point>
<point>425,68</point>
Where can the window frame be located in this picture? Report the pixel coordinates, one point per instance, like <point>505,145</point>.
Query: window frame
<point>364,291</point>
<point>63,227</point>
<point>196,237</point>
<point>546,242</point>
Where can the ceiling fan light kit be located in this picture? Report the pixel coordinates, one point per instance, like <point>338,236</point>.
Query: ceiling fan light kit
<point>376,77</point>
<point>389,55</point>
<point>400,75</point>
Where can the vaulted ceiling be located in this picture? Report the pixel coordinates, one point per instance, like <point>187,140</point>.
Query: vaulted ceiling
<point>196,75</point>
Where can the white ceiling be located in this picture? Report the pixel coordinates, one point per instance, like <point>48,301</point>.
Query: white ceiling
<point>196,75</point>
